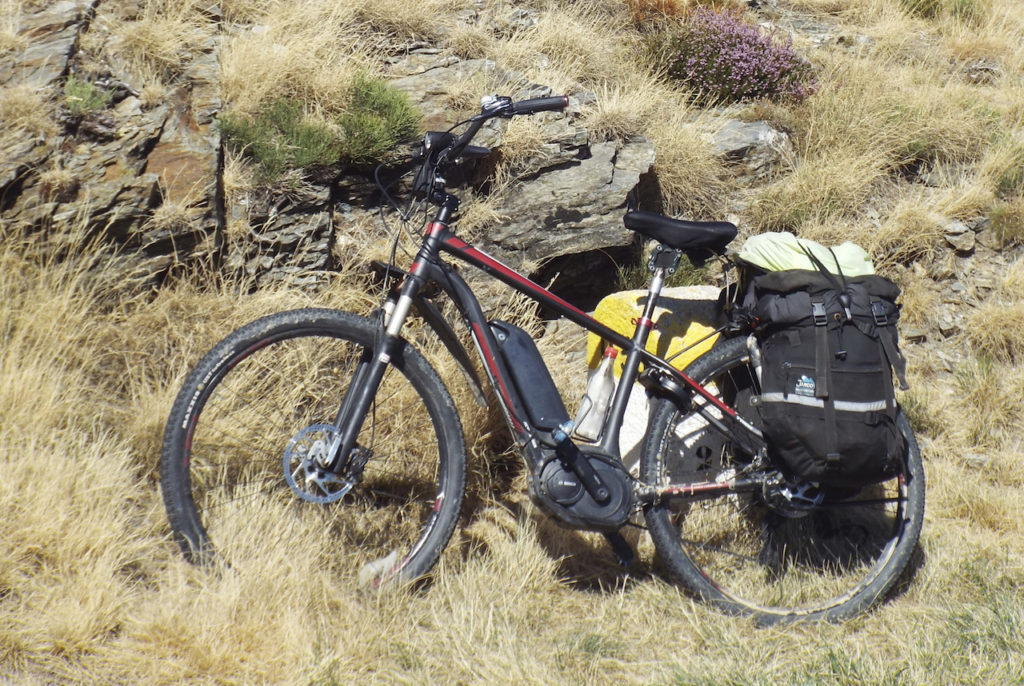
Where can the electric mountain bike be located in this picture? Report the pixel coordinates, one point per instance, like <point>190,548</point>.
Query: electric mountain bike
<point>334,424</point>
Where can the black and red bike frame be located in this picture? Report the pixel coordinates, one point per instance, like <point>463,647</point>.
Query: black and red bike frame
<point>428,267</point>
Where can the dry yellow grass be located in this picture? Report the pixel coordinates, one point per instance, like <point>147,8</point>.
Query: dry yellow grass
<point>10,20</point>
<point>92,590</point>
<point>996,328</point>
<point>24,111</point>
<point>561,46</point>
<point>301,50</point>
<point>690,177</point>
<point>164,38</point>
<point>95,591</point>
<point>625,109</point>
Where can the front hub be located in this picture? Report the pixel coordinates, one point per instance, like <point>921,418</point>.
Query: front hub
<point>304,458</point>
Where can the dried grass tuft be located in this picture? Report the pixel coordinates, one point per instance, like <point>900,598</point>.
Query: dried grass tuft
<point>996,328</point>
<point>164,39</point>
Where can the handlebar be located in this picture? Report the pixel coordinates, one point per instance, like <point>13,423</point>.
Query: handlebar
<point>500,106</point>
<point>441,148</point>
<point>553,104</point>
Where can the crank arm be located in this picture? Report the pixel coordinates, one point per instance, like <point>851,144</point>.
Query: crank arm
<point>574,460</point>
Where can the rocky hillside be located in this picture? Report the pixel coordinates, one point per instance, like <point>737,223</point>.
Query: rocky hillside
<point>109,109</point>
<point>144,164</point>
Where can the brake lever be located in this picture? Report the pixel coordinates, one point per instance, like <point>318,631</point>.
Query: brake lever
<point>491,104</point>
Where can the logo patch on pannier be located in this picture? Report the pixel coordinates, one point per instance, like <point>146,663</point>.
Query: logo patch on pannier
<point>804,386</point>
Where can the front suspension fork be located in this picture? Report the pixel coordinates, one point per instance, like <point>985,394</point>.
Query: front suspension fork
<point>367,379</point>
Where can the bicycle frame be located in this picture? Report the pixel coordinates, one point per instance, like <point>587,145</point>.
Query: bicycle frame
<point>429,267</point>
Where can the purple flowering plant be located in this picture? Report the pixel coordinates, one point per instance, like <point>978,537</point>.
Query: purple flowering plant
<point>724,59</point>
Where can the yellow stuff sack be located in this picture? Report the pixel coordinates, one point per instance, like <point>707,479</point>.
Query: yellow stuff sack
<point>683,316</point>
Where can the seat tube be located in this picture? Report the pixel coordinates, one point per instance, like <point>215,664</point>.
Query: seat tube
<point>644,326</point>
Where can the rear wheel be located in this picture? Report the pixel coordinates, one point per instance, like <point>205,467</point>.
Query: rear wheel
<point>240,453</point>
<point>777,557</point>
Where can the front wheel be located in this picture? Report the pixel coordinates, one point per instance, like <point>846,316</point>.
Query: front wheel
<point>248,434</point>
<point>748,554</point>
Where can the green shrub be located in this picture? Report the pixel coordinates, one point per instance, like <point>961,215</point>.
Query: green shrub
<point>378,117</point>
<point>83,97</point>
<point>281,138</point>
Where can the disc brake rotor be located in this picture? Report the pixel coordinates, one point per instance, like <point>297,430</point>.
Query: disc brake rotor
<point>303,470</point>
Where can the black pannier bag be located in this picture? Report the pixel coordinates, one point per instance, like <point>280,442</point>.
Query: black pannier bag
<point>828,350</point>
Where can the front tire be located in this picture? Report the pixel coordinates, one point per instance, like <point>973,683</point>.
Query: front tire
<point>746,557</point>
<point>260,400</point>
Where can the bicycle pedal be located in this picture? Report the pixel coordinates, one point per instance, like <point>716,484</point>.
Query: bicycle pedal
<point>622,549</point>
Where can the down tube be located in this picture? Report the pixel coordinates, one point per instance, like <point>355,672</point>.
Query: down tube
<point>511,402</point>
<point>459,248</point>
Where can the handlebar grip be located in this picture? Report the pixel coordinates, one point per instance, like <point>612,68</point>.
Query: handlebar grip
<point>552,104</point>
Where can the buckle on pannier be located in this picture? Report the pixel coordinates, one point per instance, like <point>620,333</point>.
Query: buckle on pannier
<point>878,311</point>
<point>819,314</point>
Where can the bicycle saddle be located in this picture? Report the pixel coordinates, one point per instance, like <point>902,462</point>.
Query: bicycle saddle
<point>681,234</point>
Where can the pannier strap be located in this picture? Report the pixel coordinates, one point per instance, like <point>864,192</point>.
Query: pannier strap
<point>821,356</point>
<point>878,312</point>
<point>831,428</point>
<point>887,338</point>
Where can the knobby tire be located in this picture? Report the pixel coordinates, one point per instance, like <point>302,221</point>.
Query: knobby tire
<point>253,395</point>
<point>737,553</point>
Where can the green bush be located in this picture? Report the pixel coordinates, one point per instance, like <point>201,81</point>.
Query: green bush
<point>84,97</point>
<point>378,118</point>
<point>281,138</point>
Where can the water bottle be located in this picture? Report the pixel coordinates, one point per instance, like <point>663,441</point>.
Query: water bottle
<point>594,406</point>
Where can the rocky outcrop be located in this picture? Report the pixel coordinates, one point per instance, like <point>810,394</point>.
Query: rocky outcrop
<point>754,149</point>
<point>288,238</point>
<point>146,178</point>
<point>569,194</point>
<point>148,174</point>
<point>50,38</point>
<point>574,207</point>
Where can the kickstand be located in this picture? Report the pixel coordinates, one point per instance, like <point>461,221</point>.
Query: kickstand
<point>622,549</point>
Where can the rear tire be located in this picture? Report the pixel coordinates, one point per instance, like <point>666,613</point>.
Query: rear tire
<point>255,407</point>
<point>748,558</point>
